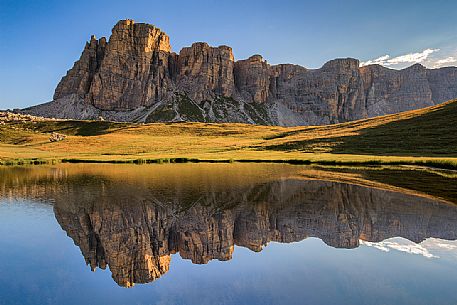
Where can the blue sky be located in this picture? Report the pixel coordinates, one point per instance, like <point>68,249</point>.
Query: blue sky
<point>40,40</point>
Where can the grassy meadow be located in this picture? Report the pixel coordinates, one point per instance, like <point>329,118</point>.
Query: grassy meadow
<point>424,137</point>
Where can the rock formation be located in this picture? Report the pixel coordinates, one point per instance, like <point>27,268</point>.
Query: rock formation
<point>135,77</point>
<point>204,71</point>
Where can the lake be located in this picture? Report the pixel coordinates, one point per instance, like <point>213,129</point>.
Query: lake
<point>227,234</point>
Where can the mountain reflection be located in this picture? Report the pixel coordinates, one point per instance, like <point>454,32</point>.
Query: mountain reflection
<point>134,224</point>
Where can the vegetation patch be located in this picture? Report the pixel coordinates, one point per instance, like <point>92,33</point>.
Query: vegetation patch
<point>257,114</point>
<point>188,109</point>
<point>164,113</point>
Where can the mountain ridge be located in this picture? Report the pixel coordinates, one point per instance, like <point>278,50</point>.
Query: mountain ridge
<point>135,77</point>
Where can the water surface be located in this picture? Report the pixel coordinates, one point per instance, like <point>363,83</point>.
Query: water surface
<point>221,234</point>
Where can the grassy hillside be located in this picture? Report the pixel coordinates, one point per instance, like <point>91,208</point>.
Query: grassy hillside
<point>426,132</point>
<point>426,135</point>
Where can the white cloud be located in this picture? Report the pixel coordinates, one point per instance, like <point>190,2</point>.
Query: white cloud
<point>409,59</point>
<point>400,244</point>
<point>412,58</point>
<point>448,61</point>
<point>440,246</point>
<point>378,61</point>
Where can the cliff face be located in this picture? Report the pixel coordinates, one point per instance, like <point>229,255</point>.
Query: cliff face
<point>252,79</point>
<point>205,71</point>
<point>136,77</point>
<point>135,68</point>
<point>391,91</point>
<point>328,95</point>
<point>79,79</point>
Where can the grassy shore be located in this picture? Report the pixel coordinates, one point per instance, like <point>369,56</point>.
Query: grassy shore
<point>421,137</point>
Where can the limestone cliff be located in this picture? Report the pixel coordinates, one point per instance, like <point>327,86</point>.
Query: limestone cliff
<point>205,71</point>
<point>136,77</point>
<point>135,68</point>
<point>79,79</point>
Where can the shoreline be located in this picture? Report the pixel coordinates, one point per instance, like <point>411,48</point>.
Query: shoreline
<point>449,164</point>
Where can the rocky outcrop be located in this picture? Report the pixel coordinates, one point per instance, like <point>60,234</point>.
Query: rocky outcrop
<point>391,91</point>
<point>56,137</point>
<point>328,95</point>
<point>136,77</point>
<point>442,83</point>
<point>135,68</point>
<point>205,72</point>
<point>252,79</point>
<point>79,79</point>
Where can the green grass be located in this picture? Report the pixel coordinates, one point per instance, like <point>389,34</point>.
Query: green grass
<point>188,109</point>
<point>164,113</point>
<point>15,130</point>
<point>440,164</point>
<point>433,133</point>
<point>33,161</point>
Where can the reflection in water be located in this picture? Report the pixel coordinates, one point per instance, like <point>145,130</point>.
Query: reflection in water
<point>133,222</point>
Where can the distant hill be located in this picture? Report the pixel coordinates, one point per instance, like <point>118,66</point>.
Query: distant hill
<point>135,77</point>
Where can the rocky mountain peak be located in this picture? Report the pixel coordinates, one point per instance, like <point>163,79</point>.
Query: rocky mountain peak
<point>417,67</point>
<point>135,77</point>
<point>341,64</point>
<point>142,36</point>
<point>256,58</point>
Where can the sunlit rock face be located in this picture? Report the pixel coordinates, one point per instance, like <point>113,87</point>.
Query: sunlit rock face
<point>136,77</point>
<point>135,68</point>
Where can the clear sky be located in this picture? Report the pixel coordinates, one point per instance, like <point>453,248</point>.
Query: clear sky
<point>40,40</point>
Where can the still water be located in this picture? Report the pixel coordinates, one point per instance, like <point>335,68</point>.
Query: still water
<point>221,234</point>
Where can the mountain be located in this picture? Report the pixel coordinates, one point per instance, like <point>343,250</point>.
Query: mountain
<point>136,77</point>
